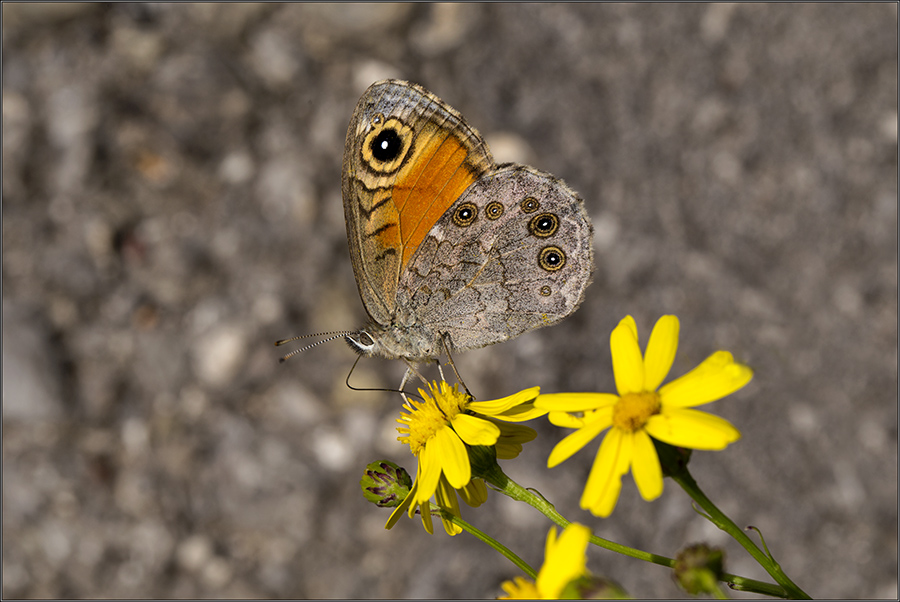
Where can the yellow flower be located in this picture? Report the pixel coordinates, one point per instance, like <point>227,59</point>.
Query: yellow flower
<point>642,410</point>
<point>564,561</point>
<point>438,430</point>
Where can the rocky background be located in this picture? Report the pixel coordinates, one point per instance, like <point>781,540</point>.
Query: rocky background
<point>172,205</point>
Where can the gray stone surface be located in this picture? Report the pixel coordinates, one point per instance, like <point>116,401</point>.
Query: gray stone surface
<point>172,205</point>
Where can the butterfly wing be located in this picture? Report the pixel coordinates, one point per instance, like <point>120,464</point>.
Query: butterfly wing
<point>514,253</point>
<point>408,156</point>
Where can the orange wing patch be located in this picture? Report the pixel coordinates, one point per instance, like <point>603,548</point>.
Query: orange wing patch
<point>436,177</point>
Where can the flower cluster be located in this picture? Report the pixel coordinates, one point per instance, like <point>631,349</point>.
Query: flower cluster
<point>458,440</point>
<point>440,430</point>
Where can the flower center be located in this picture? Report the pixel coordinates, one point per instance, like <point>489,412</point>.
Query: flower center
<point>424,418</point>
<point>633,410</point>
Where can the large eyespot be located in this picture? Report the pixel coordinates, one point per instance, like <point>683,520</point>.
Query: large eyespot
<point>465,214</point>
<point>530,205</point>
<point>494,209</point>
<point>387,144</point>
<point>551,258</point>
<point>543,225</point>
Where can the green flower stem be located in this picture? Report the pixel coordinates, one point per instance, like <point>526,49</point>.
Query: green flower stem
<point>687,482</point>
<point>507,486</point>
<point>743,584</point>
<point>496,477</point>
<point>524,566</point>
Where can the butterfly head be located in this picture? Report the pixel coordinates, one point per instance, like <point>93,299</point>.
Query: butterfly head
<point>361,342</point>
<point>395,341</point>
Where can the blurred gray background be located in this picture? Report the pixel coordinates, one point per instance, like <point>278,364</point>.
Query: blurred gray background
<point>172,205</point>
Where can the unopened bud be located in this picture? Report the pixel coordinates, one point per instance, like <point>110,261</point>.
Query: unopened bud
<point>385,484</point>
<point>698,569</point>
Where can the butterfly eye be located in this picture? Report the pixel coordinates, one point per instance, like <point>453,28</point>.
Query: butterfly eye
<point>494,210</point>
<point>465,214</point>
<point>543,225</point>
<point>551,258</point>
<point>530,205</point>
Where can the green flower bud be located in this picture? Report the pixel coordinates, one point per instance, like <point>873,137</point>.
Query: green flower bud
<point>385,484</point>
<point>698,569</point>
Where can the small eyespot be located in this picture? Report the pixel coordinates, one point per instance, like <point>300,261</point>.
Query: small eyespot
<point>543,225</point>
<point>530,205</point>
<point>545,291</point>
<point>551,258</point>
<point>465,214</point>
<point>494,210</point>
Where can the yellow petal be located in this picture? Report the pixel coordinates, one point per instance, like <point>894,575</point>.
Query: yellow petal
<point>474,493</point>
<point>575,441</point>
<point>512,436</point>
<point>564,560</point>
<point>645,467</point>
<point>575,402</point>
<point>508,451</point>
<point>425,510</point>
<point>717,376</point>
<point>399,510</point>
<point>550,544</point>
<point>660,352</point>
<point>629,323</point>
<point>565,420</point>
<point>429,471</point>
<point>605,504</point>
<point>452,457</point>
<point>692,429</point>
<point>519,588</point>
<point>605,481</point>
<point>628,365</point>
<point>516,433</point>
<point>474,430</point>
<point>446,499</point>
<point>520,413</point>
<point>496,406</point>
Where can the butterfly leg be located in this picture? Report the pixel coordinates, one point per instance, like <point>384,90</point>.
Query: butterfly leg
<point>444,338</point>
<point>404,381</point>
<point>411,368</point>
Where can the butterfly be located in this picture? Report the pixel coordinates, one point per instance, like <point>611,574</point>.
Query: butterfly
<point>450,250</point>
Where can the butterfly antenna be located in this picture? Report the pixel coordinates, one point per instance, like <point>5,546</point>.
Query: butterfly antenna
<point>331,336</point>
